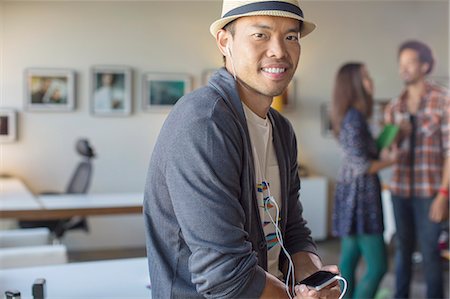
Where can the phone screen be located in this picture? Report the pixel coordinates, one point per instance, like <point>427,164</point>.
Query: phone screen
<point>319,280</point>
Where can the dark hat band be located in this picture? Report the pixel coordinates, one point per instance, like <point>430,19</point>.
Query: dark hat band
<point>265,5</point>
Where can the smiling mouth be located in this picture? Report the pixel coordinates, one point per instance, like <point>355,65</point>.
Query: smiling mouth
<point>274,70</point>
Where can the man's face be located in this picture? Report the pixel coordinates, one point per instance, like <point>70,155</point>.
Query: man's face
<point>265,52</point>
<point>411,69</point>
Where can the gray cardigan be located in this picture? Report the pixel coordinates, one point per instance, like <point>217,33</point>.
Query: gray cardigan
<point>204,232</point>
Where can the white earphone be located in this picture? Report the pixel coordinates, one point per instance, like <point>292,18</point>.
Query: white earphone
<point>228,50</point>
<point>231,59</point>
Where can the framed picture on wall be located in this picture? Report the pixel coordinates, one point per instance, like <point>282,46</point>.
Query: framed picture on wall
<point>325,119</point>
<point>442,81</point>
<point>290,94</point>
<point>111,91</point>
<point>376,122</point>
<point>163,90</point>
<point>206,75</point>
<point>286,101</point>
<point>8,125</point>
<point>49,89</point>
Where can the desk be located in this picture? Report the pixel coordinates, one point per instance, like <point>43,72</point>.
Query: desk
<point>314,198</point>
<point>125,209</point>
<point>68,205</point>
<point>13,188</point>
<point>124,278</point>
<point>14,195</point>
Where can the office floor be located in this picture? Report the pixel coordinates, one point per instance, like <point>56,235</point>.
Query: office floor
<point>328,250</point>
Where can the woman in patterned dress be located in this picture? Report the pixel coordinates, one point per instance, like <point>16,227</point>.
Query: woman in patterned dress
<point>358,215</point>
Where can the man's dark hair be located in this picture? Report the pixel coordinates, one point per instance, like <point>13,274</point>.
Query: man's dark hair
<point>229,27</point>
<point>423,50</point>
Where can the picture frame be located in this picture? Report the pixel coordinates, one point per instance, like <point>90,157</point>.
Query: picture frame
<point>207,74</point>
<point>289,95</point>
<point>325,120</point>
<point>442,81</point>
<point>111,90</point>
<point>286,101</point>
<point>8,125</point>
<point>376,121</point>
<point>48,89</point>
<point>162,90</point>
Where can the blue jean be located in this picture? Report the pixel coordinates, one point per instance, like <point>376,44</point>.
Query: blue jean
<point>412,221</point>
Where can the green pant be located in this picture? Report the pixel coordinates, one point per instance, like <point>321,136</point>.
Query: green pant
<point>373,251</point>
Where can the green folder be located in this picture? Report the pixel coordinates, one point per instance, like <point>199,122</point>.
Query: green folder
<point>387,136</point>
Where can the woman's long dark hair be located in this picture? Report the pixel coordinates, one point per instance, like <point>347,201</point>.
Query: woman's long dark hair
<point>348,92</point>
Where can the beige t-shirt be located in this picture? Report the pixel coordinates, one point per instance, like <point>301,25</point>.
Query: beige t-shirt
<point>267,183</point>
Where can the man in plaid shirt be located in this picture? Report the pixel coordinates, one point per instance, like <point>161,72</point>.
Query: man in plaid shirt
<point>420,179</point>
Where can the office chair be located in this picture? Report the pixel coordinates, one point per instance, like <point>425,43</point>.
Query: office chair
<point>78,184</point>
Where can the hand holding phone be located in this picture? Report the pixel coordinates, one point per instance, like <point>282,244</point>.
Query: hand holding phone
<point>319,280</point>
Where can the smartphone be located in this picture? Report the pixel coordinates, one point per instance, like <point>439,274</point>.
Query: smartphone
<point>319,280</point>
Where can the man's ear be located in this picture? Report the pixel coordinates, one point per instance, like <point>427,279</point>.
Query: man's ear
<point>425,67</point>
<point>222,39</point>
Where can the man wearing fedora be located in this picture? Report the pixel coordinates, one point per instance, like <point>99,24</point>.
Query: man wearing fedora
<point>222,210</point>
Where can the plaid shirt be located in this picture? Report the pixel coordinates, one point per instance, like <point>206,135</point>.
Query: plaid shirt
<point>432,143</point>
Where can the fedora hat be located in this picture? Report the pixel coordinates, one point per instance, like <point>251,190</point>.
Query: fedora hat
<point>232,9</point>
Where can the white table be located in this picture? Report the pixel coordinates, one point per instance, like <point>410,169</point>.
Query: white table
<point>60,206</point>
<point>14,195</point>
<point>314,198</point>
<point>13,187</point>
<point>82,201</point>
<point>124,278</point>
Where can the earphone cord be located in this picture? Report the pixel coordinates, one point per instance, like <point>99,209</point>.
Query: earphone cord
<point>344,288</point>
<point>232,63</point>
<point>291,264</point>
<point>290,272</point>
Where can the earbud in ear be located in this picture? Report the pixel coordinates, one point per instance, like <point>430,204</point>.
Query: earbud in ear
<point>231,59</point>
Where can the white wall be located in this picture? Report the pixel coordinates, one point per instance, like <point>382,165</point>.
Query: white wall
<point>173,36</point>
<point>78,35</point>
<point>366,31</point>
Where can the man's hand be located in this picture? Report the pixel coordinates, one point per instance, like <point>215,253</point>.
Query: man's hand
<point>439,209</point>
<point>390,154</point>
<point>330,292</point>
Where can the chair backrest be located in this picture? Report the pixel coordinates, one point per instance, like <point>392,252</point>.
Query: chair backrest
<point>81,178</point>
